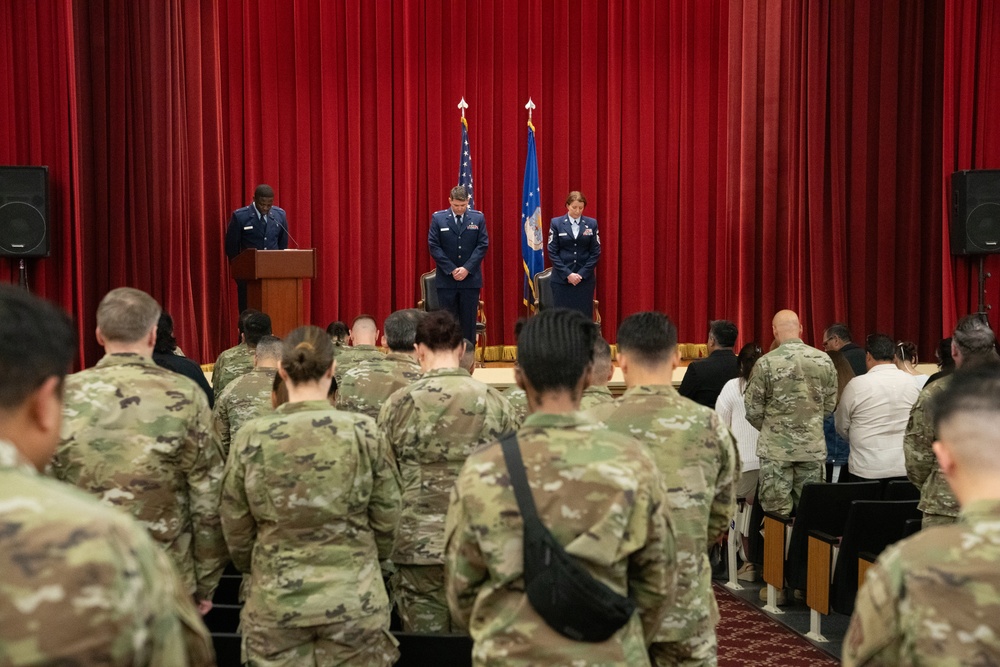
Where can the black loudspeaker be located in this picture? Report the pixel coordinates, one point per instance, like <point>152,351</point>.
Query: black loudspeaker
<point>975,212</point>
<point>24,211</point>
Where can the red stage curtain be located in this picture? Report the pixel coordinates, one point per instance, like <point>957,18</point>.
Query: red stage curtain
<point>741,156</point>
<point>970,139</point>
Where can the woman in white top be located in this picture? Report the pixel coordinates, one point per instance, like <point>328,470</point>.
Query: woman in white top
<point>730,407</point>
<point>905,358</point>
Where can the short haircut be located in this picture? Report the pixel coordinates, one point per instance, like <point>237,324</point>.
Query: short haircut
<point>256,327</point>
<point>650,337</point>
<point>724,332</point>
<point>968,408</point>
<point>973,335</point>
<point>602,359</point>
<point>459,193</point>
<point>401,329</point>
<point>307,354</point>
<point>944,358</point>
<point>263,191</point>
<point>575,196</point>
<point>36,342</point>
<point>840,330</point>
<point>905,351</point>
<point>555,349</point>
<point>243,317</point>
<point>880,346</point>
<point>166,343</point>
<point>439,330</point>
<point>126,315</point>
<point>363,318</point>
<point>269,347</point>
<point>518,326</point>
<point>337,331</point>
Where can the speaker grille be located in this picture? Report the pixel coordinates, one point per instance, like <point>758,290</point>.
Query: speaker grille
<point>983,227</point>
<point>22,229</point>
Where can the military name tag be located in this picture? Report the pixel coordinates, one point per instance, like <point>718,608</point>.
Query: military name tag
<point>246,228</point>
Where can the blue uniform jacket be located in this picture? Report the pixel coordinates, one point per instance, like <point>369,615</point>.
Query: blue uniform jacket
<point>452,247</point>
<point>573,255</point>
<point>246,231</point>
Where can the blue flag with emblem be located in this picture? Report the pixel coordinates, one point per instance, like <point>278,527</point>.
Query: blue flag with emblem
<point>465,163</point>
<point>533,257</point>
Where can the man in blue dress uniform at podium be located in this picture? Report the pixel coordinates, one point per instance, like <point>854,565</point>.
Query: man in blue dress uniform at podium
<point>261,225</point>
<point>458,240</point>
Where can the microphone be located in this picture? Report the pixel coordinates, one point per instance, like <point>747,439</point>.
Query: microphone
<point>285,227</point>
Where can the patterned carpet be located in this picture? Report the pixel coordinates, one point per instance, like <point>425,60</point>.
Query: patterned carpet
<point>748,637</point>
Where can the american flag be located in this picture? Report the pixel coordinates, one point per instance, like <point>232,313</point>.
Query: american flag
<point>532,255</point>
<point>465,164</point>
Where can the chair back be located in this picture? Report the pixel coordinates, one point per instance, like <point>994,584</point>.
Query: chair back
<point>823,507</point>
<point>872,525</point>
<point>911,527</point>
<point>901,490</point>
<point>543,288</point>
<point>428,291</point>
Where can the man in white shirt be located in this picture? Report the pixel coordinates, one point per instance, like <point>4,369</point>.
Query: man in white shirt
<point>873,412</point>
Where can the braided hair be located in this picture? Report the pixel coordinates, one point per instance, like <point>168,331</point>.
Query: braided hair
<point>555,349</point>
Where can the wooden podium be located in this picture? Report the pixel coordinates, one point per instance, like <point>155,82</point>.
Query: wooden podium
<point>274,284</point>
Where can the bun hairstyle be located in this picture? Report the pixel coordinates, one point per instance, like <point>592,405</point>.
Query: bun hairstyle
<point>906,351</point>
<point>439,331</point>
<point>307,354</point>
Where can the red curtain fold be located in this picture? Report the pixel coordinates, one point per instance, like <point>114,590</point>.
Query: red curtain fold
<point>741,156</point>
<point>970,140</point>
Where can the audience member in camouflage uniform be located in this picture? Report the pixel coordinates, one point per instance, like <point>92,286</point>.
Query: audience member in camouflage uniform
<point>237,361</point>
<point>699,465</point>
<point>790,392</point>
<point>248,396</point>
<point>366,386</point>
<point>82,584</point>
<point>432,426</point>
<point>934,599</point>
<point>515,395</point>
<point>973,343</point>
<point>364,337</point>
<point>309,506</point>
<point>141,437</point>
<point>600,494</point>
<point>601,372</point>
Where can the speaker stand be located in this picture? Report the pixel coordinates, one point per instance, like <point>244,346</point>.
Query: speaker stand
<point>23,275</point>
<point>982,286</point>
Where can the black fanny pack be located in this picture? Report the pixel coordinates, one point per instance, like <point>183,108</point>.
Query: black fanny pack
<point>564,593</point>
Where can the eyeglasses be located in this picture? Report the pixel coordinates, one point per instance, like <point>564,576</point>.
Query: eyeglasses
<point>827,341</point>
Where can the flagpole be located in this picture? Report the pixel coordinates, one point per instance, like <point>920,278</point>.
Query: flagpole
<point>532,255</point>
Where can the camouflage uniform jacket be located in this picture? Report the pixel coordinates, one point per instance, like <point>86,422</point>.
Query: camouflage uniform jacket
<point>141,437</point>
<point>602,496</point>
<point>922,467</point>
<point>83,584</point>
<point>791,390</point>
<point>365,387</point>
<point>349,357</point>
<point>595,395</point>
<point>697,459</point>
<point>933,599</point>
<point>246,398</point>
<point>518,400</point>
<point>231,364</point>
<point>432,426</point>
<point>309,505</point>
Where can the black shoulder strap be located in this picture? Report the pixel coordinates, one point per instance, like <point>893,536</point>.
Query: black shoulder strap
<point>518,478</point>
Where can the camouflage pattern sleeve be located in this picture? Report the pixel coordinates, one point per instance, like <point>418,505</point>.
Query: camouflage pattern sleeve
<point>874,637</point>
<point>465,567</point>
<point>217,373</point>
<point>830,389</point>
<point>918,441</point>
<point>652,570</point>
<point>238,524</point>
<point>220,418</point>
<point>757,393</point>
<point>204,479</point>
<point>724,500</point>
<point>386,503</point>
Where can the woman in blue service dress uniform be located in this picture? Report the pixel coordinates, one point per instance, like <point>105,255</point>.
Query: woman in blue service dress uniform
<point>574,248</point>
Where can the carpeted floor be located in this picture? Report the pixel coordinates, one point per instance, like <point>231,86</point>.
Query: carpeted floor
<point>748,637</point>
